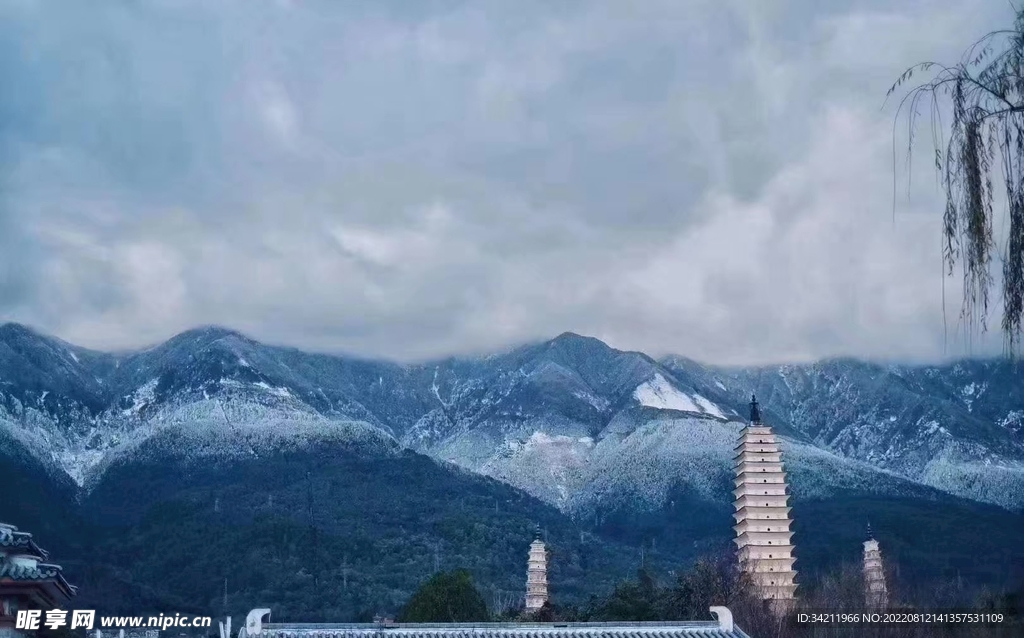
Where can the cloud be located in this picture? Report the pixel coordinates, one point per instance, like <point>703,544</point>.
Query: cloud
<point>712,179</point>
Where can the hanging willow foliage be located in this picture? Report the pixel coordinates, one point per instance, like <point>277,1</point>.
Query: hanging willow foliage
<point>985,94</point>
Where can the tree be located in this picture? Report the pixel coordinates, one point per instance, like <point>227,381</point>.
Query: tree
<point>546,613</point>
<point>712,580</point>
<point>985,92</point>
<point>638,600</point>
<point>446,597</point>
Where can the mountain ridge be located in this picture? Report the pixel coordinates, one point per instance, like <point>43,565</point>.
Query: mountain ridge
<point>558,406</point>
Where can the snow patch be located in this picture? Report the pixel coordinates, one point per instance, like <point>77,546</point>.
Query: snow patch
<point>1013,420</point>
<point>708,406</point>
<point>597,402</point>
<point>659,393</point>
<point>143,396</point>
<point>281,392</point>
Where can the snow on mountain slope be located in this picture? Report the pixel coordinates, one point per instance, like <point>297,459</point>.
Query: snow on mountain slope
<point>208,382</point>
<point>949,427</point>
<point>641,465</point>
<point>550,467</point>
<point>214,429</point>
<point>999,482</point>
<point>658,393</point>
<point>237,420</point>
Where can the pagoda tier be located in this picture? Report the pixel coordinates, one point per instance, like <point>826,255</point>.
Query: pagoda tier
<point>755,465</point>
<point>751,478</point>
<point>773,579</point>
<point>766,539</point>
<point>771,501</point>
<point>761,525</point>
<point>749,552</point>
<point>763,536</point>
<point>759,444</point>
<point>753,489</point>
<point>758,454</point>
<point>773,566</point>
<point>755,441</point>
<point>761,513</point>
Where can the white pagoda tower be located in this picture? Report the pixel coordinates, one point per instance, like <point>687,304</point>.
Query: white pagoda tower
<point>876,595</point>
<point>537,575</point>
<point>762,515</point>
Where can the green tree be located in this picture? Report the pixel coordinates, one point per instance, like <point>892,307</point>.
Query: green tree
<point>985,92</point>
<point>446,597</point>
<point>638,600</point>
<point>546,613</point>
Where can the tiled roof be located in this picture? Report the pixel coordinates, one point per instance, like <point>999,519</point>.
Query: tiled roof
<point>42,571</point>
<point>11,537</point>
<point>695,630</point>
<point>23,544</point>
<point>721,629</point>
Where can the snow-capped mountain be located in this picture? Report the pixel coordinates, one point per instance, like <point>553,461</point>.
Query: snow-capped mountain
<point>571,420</point>
<point>956,427</point>
<point>78,410</point>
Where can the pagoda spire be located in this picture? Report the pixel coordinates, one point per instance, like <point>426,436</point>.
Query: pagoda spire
<point>755,412</point>
<point>763,535</point>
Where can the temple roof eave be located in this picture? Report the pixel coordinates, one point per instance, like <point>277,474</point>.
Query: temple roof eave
<point>11,537</point>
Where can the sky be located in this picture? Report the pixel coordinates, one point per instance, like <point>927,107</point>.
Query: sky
<point>411,180</point>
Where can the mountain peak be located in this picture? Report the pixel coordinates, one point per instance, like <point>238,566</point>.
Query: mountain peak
<point>14,329</point>
<point>20,336</point>
<point>206,334</point>
<point>578,339</point>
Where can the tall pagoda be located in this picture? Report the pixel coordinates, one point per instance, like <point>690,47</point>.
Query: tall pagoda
<point>876,595</point>
<point>27,581</point>
<point>763,536</point>
<point>537,575</point>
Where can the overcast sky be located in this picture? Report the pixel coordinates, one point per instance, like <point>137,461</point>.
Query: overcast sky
<point>417,179</point>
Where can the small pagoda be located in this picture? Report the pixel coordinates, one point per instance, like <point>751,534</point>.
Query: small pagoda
<point>27,581</point>
<point>763,536</point>
<point>876,595</point>
<point>536,575</point>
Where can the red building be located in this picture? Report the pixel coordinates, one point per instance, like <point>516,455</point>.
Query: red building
<point>27,581</point>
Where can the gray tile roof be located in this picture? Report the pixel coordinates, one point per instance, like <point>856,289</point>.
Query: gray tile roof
<point>11,537</point>
<point>489,630</point>
<point>41,571</point>
<point>721,629</point>
<point>22,543</point>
